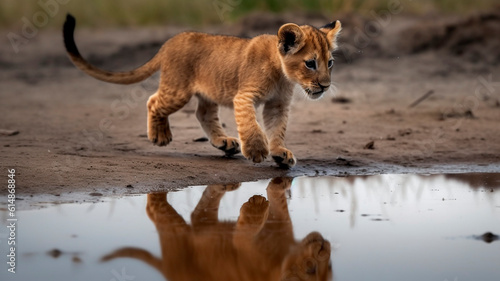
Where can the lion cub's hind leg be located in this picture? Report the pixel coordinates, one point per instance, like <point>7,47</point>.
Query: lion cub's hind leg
<point>163,214</point>
<point>160,106</point>
<point>207,114</point>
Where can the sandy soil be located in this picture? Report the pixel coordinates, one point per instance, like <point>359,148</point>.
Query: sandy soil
<point>77,135</point>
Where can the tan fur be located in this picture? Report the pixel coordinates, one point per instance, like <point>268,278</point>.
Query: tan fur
<point>259,246</point>
<point>233,72</point>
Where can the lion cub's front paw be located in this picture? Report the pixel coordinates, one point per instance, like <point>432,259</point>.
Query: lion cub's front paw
<point>229,145</point>
<point>254,212</point>
<point>256,148</point>
<point>283,157</point>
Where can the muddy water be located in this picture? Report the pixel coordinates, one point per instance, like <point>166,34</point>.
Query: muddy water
<point>387,227</point>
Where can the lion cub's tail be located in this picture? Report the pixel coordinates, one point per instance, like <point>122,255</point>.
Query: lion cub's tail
<point>128,77</point>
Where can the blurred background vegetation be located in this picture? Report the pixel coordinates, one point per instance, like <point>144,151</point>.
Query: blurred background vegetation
<point>199,12</point>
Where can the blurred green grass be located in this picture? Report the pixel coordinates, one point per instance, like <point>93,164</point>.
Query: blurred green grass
<point>200,12</point>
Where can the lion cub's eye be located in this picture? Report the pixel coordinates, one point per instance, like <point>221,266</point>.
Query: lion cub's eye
<point>330,63</point>
<point>311,64</point>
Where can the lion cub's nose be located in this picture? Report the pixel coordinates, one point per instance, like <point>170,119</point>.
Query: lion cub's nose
<point>324,86</point>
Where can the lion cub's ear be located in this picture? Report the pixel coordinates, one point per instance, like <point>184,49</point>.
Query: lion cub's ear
<point>291,39</point>
<point>332,31</point>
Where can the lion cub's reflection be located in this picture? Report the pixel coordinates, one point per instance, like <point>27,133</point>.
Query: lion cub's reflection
<point>259,246</point>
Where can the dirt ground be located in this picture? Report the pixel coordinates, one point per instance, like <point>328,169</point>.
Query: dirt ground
<point>76,135</point>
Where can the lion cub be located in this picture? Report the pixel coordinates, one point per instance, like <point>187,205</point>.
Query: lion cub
<point>234,72</point>
<point>260,245</point>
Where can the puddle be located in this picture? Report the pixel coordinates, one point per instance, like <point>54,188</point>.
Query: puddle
<point>387,227</point>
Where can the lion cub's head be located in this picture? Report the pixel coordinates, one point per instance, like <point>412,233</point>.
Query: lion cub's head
<point>310,260</point>
<point>306,55</point>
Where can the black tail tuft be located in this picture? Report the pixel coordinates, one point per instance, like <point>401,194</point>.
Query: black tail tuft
<point>68,31</point>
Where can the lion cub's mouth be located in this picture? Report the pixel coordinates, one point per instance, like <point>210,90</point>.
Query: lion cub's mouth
<point>314,94</point>
<point>319,246</point>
